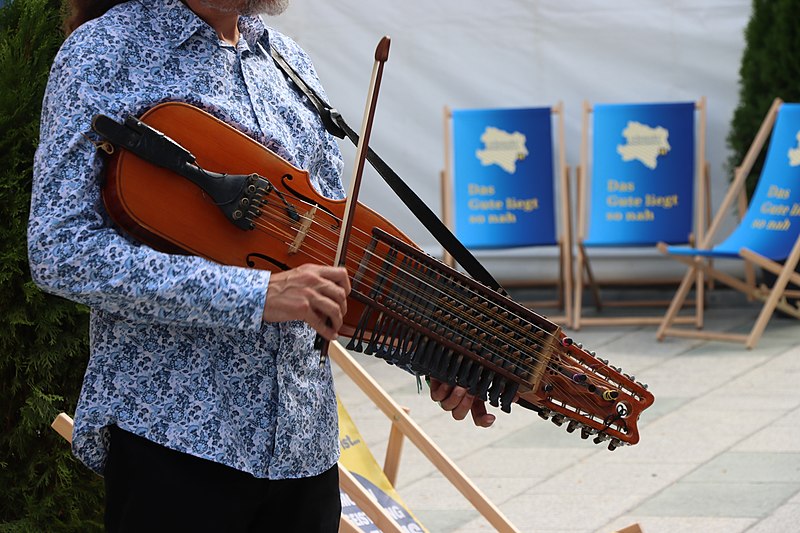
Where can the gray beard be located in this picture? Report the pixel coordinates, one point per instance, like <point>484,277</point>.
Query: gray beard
<point>248,7</point>
<point>267,7</point>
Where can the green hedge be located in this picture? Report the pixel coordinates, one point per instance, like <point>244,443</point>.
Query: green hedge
<point>43,341</point>
<point>770,68</point>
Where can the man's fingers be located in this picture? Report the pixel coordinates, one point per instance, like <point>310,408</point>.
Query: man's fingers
<point>439,390</point>
<point>315,294</point>
<point>459,402</point>
<point>324,327</point>
<point>337,275</point>
<point>479,415</point>
<point>454,399</point>
<point>463,407</point>
<point>329,312</point>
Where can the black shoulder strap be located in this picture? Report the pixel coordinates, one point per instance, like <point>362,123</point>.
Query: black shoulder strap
<point>336,125</point>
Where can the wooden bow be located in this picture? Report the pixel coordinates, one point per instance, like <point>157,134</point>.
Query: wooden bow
<point>381,56</point>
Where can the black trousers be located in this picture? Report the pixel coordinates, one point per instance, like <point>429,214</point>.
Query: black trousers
<point>153,488</point>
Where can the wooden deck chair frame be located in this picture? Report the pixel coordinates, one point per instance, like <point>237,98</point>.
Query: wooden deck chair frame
<point>564,283</point>
<point>402,426</point>
<point>585,276</point>
<point>774,298</point>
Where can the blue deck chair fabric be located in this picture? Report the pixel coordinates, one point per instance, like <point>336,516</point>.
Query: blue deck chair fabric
<point>641,167</point>
<point>767,236</point>
<point>505,164</point>
<point>503,176</point>
<point>771,224</point>
<point>643,174</point>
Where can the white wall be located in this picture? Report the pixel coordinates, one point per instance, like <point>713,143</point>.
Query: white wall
<point>509,53</point>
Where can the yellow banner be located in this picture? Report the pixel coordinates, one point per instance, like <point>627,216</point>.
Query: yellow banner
<point>357,458</point>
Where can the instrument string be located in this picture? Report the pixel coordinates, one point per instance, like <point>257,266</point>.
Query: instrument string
<point>409,288</point>
<point>453,308</point>
<point>360,246</point>
<point>504,359</point>
<point>277,218</point>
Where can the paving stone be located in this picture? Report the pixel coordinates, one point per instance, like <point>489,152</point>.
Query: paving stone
<point>599,476</point>
<point>750,467</point>
<point>684,524</point>
<point>783,519</point>
<point>553,511</point>
<point>445,521</point>
<point>724,499</point>
<point>535,464</point>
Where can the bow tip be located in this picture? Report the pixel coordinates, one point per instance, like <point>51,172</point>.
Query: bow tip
<point>382,51</point>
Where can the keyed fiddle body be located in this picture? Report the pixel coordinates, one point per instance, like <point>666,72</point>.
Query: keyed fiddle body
<point>405,306</point>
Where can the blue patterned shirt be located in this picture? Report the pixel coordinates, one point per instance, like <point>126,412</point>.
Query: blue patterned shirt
<point>179,352</point>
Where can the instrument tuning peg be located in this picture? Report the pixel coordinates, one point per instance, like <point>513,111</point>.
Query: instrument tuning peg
<point>600,438</point>
<point>544,414</point>
<point>586,432</point>
<point>610,395</point>
<point>614,444</point>
<point>557,420</point>
<point>572,426</point>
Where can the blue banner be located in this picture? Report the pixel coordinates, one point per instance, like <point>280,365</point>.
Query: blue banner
<point>772,222</point>
<point>643,174</point>
<point>503,177</point>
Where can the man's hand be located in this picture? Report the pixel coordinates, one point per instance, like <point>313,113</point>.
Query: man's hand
<point>459,402</point>
<point>315,294</point>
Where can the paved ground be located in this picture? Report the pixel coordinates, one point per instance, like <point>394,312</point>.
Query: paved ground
<point>719,450</point>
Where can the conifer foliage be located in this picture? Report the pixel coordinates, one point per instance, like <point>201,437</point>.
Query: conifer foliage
<point>770,68</point>
<point>43,339</point>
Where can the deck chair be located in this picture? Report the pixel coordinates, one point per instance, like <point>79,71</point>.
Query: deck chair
<point>369,500</point>
<point>768,235</point>
<point>644,181</point>
<point>503,172</point>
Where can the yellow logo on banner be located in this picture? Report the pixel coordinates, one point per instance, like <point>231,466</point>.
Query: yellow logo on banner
<point>644,144</point>
<point>502,149</point>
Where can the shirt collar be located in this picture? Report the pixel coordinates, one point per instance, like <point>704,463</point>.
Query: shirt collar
<point>253,29</point>
<point>178,22</point>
